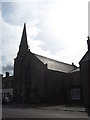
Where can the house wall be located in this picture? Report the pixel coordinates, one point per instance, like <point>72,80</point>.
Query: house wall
<point>17,79</point>
<point>73,87</point>
<point>56,87</point>
<point>84,76</point>
<point>7,86</point>
<point>29,79</point>
<point>34,77</point>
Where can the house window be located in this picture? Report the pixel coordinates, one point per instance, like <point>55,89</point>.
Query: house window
<point>75,94</point>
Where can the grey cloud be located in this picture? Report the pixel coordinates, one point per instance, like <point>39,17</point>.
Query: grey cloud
<point>24,11</point>
<point>7,68</point>
<point>52,42</point>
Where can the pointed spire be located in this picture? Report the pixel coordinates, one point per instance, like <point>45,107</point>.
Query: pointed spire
<point>24,38</point>
<point>23,47</point>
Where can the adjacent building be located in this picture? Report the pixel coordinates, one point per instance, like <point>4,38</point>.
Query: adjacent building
<point>7,86</point>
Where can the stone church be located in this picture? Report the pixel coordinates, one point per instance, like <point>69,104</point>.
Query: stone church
<point>40,79</point>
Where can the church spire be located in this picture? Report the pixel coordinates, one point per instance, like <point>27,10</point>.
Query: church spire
<point>23,47</point>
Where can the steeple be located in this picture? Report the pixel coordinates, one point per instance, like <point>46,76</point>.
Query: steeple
<point>23,47</point>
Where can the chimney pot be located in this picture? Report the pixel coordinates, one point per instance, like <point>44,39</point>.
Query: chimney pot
<point>7,74</point>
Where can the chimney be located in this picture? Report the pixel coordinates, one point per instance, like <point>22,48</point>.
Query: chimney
<point>88,42</point>
<point>7,74</point>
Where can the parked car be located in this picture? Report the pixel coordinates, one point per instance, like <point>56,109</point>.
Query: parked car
<point>6,100</point>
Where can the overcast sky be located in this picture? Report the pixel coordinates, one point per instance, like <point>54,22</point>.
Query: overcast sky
<point>56,29</point>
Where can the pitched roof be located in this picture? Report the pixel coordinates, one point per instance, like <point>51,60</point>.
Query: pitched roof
<point>8,78</point>
<point>85,58</point>
<point>56,65</point>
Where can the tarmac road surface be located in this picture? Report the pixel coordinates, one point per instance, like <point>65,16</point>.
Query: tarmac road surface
<point>11,112</point>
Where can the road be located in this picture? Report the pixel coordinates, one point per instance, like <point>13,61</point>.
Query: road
<point>11,112</point>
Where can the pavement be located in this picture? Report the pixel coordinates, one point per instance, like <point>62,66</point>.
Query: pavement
<point>73,108</point>
<point>64,108</point>
<point>16,110</point>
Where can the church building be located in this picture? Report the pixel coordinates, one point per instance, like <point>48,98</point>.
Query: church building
<point>40,79</point>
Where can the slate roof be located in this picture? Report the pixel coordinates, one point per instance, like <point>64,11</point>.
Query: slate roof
<point>56,65</point>
<point>76,70</point>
